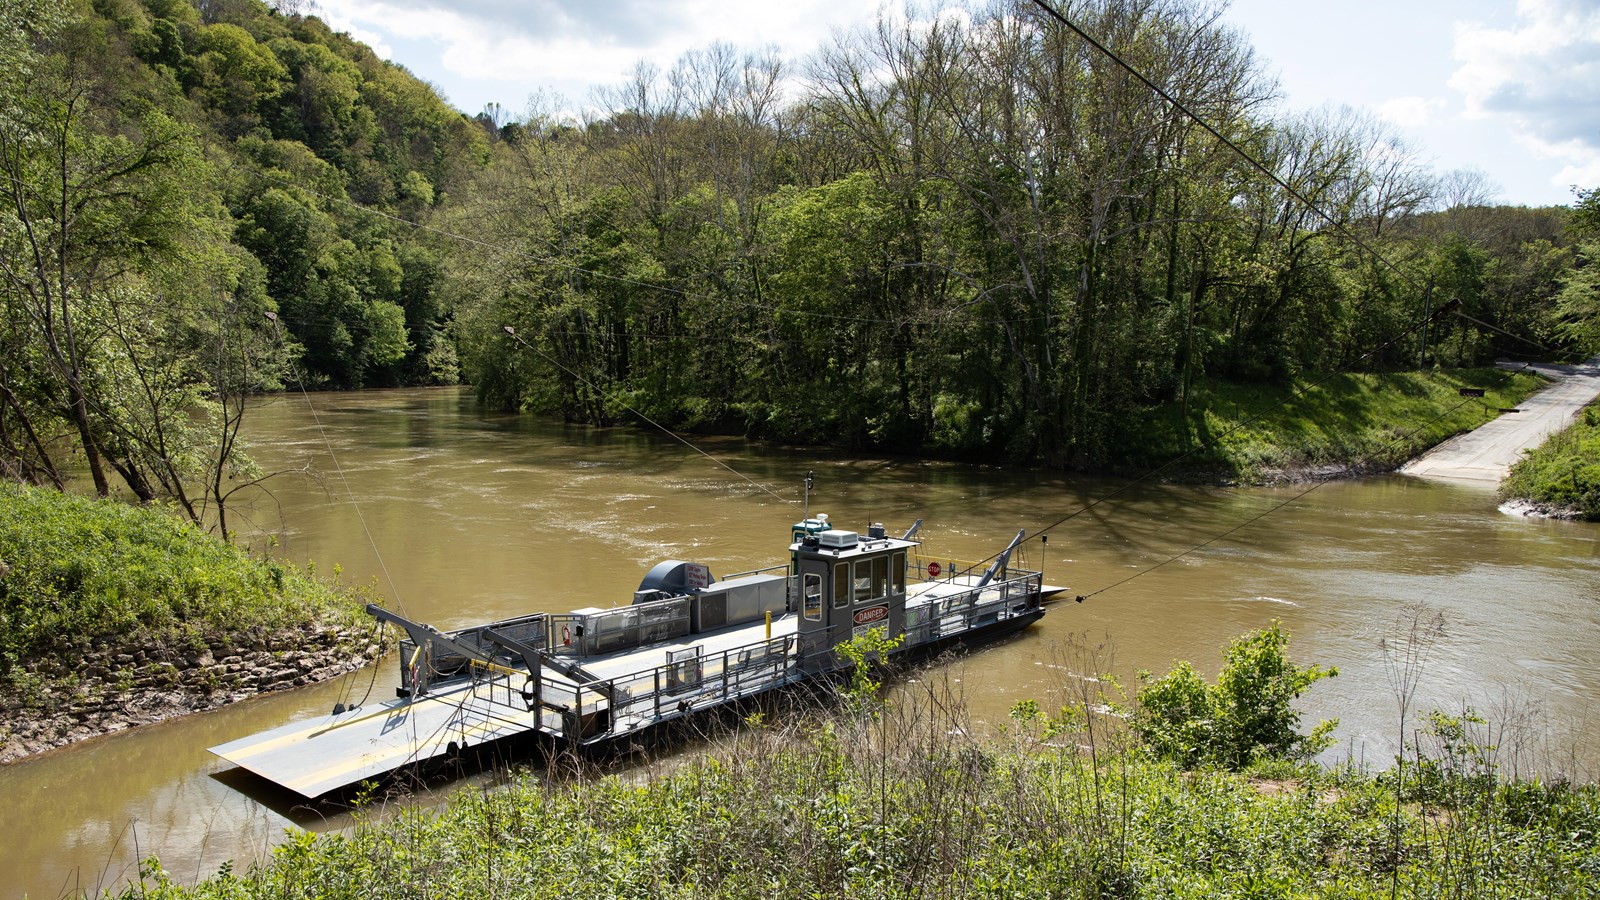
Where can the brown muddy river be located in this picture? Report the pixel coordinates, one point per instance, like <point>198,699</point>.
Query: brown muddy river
<point>463,516</point>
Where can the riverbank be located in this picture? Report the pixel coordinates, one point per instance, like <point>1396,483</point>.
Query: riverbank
<point>111,689</point>
<point>909,804</point>
<point>1560,479</point>
<point>113,616</point>
<point>1315,428</point>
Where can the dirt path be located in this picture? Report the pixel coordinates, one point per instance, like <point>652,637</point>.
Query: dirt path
<point>1486,454</point>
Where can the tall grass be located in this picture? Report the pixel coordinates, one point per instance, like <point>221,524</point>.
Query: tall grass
<point>904,801</point>
<point>82,574</point>
<point>1363,422</point>
<point>1563,474</point>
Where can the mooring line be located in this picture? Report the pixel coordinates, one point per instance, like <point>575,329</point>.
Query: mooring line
<point>355,504</point>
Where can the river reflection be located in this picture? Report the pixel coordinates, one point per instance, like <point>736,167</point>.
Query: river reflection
<point>465,515</point>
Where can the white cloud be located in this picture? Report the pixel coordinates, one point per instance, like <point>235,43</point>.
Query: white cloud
<point>1542,77</point>
<point>579,44</point>
<point>1582,162</point>
<point>1412,112</point>
<point>372,39</point>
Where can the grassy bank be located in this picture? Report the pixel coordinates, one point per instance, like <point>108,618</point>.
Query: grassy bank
<point>842,810</point>
<point>904,802</point>
<point>1562,476</point>
<point>101,598</point>
<point>1355,423</point>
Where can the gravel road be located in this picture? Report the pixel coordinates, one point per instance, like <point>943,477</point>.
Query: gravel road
<point>1486,454</point>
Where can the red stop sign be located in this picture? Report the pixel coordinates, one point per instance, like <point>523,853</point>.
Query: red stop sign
<point>933,570</point>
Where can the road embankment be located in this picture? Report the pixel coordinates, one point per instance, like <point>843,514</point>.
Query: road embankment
<point>1486,454</point>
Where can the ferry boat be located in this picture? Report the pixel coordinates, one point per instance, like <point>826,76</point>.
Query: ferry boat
<point>688,641</point>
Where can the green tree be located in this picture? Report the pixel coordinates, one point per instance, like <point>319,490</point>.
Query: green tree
<point>235,78</point>
<point>131,324</point>
<point>93,195</point>
<point>1247,716</point>
<point>1578,304</point>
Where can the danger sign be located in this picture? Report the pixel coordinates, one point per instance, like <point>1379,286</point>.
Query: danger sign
<point>872,614</point>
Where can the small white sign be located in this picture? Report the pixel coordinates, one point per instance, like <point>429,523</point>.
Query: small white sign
<point>696,576</point>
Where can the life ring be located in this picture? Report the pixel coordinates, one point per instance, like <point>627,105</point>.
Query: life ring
<point>566,636</point>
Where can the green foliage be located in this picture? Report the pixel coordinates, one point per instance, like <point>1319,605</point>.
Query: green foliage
<point>864,652</point>
<point>1563,473</point>
<point>176,234</point>
<point>1245,718</point>
<point>1017,258</point>
<point>81,573</point>
<point>1578,305</point>
<point>1457,767</point>
<point>1013,258</point>
<point>1360,423</point>
<point>1586,214</point>
<point>1176,716</point>
<point>813,811</point>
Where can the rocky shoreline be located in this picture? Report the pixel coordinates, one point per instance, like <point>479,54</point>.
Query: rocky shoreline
<point>1529,509</point>
<point>108,690</point>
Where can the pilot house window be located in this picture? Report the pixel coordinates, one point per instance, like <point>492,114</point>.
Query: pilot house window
<point>863,580</point>
<point>841,585</point>
<point>813,597</point>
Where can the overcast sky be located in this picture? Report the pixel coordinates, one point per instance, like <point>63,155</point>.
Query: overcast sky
<point>1507,87</point>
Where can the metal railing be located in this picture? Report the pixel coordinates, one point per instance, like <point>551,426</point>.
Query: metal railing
<point>691,679</point>
<point>621,628</point>
<point>936,618</point>
<point>782,567</point>
<point>603,709</point>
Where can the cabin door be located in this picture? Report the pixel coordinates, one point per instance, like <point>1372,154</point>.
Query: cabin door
<point>816,626</point>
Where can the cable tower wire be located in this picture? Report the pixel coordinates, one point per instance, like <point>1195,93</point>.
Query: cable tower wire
<point>1451,307</point>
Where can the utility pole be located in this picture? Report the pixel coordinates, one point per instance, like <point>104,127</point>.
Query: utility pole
<point>1427,319</point>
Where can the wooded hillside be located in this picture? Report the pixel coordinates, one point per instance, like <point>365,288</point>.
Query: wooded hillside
<point>976,234</point>
<point>971,235</point>
<point>202,202</point>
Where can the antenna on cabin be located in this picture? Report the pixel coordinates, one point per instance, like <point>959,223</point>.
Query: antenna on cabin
<point>810,480</point>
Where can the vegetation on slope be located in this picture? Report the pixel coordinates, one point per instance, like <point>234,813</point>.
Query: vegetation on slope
<point>1317,427</point>
<point>1562,476</point>
<point>85,582</point>
<point>901,801</point>
<point>1008,258</point>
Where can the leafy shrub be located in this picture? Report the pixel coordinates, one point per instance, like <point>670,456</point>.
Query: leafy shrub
<point>81,572</point>
<point>1564,472</point>
<point>1246,717</point>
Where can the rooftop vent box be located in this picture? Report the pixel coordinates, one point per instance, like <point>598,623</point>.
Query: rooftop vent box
<point>836,539</point>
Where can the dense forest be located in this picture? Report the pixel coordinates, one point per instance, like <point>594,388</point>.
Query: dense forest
<point>971,234</point>
<point>202,202</point>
